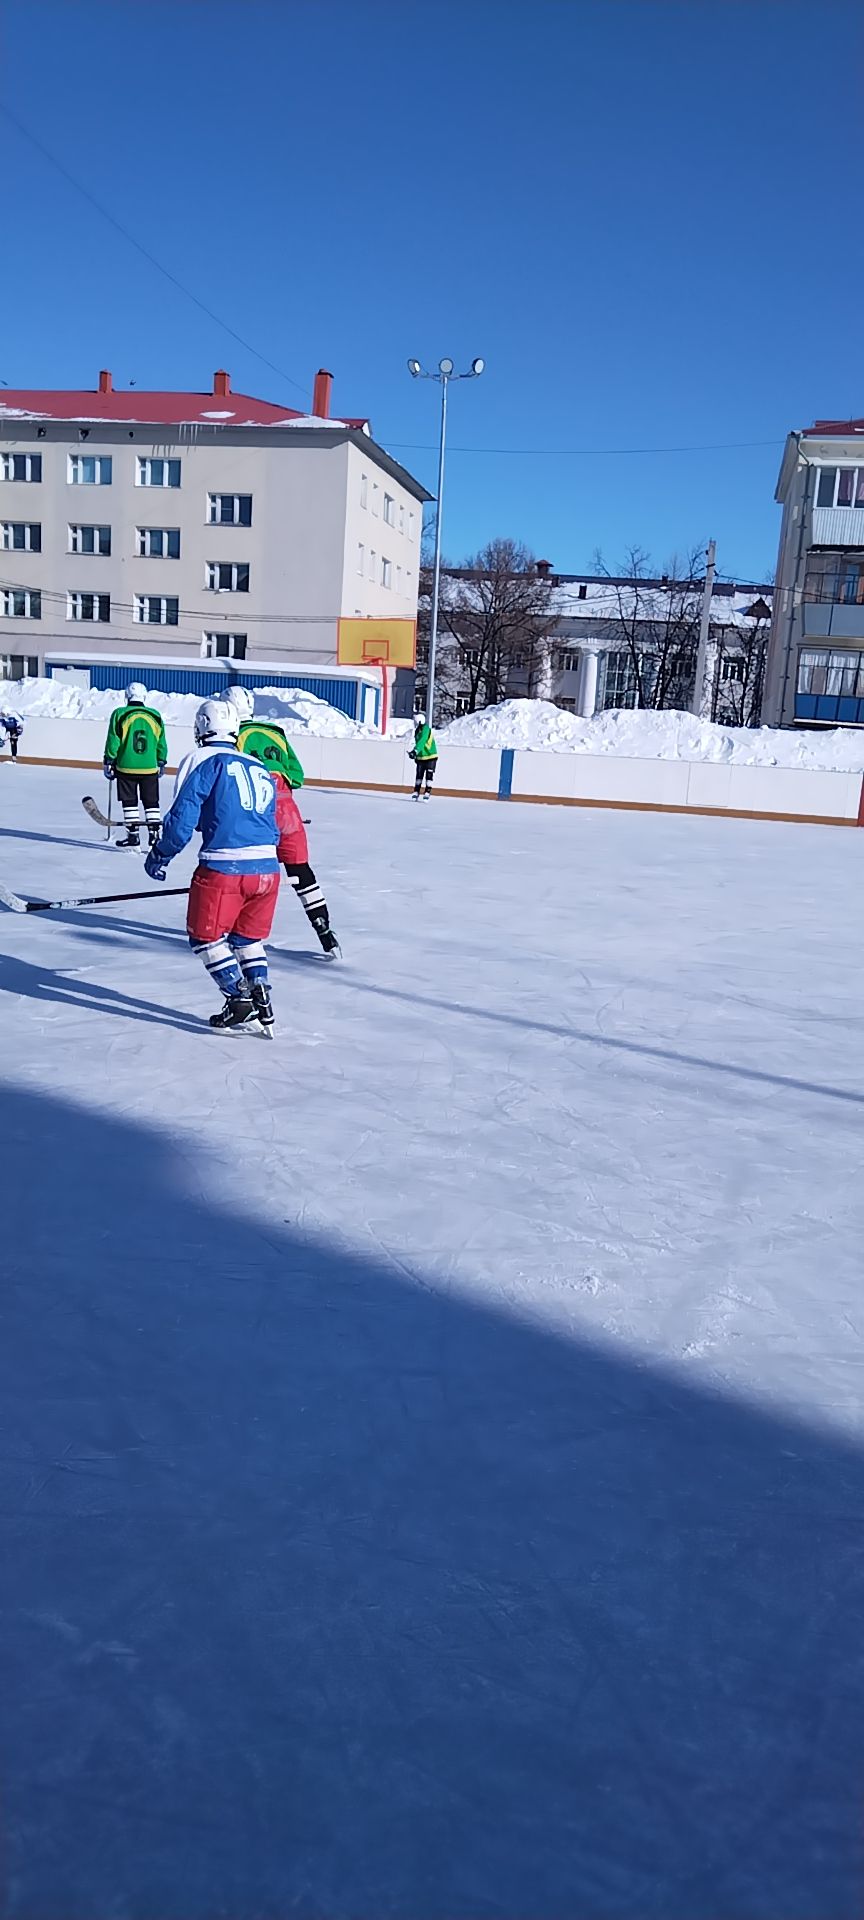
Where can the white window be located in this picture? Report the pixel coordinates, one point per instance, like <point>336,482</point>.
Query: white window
<point>411,526</point>
<point>373,562</point>
<point>90,539</point>
<point>840,487</point>
<point>88,606</point>
<point>20,466</point>
<point>386,572</point>
<point>364,490</point>
<point>21,536</point>
<point>156,609</point>
<point>401,519</point>
<point>564,661</point>
<point>398,579</point>
<point>361,557</point>
<point>157,543</point>
<point>89,469</point>
<point>471,656</point>
<point>375,501</point>
<point>461,703</point>
<point>389,510</point>
<point>157,473</point>
<point>226,576</point>
<point>18,603</point>
<point>223,646</point>
<point>229,509</point>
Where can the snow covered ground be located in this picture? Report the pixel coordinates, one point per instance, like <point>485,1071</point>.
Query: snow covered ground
<point>431,1463</point>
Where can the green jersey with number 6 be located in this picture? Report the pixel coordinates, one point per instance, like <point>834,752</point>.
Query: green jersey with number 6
<point>136,739</point>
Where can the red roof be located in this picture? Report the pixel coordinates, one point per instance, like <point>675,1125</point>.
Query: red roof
<point>134,405</point>
<point>837,426</point>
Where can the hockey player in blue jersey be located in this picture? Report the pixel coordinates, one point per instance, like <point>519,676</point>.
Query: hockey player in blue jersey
<point>11,729</point>
<point>231,800</point>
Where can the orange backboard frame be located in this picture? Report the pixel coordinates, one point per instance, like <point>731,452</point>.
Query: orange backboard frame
<point>376,643</point>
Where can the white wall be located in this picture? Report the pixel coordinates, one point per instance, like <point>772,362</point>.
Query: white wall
<point>592,779</point>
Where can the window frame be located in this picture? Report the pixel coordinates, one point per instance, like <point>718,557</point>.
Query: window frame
<point>99,461</point>
<point>143,551</point>
<point>230,652</point>
<point>144,462</point>
<point>236,521</point>
<point>96,618</point>
<point>27,460</point>
<point>856,482</point>
<point>164,600</point>
<point>235,568</point>
<point>27,527</point>
<point>386,573</point>
<point>31,607</point>
<point>88,526</point>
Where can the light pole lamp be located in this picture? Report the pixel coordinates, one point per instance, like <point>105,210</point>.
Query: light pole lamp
<point>444,376</point>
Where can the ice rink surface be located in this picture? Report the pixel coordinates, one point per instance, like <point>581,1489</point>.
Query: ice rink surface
<point>431,1461</point>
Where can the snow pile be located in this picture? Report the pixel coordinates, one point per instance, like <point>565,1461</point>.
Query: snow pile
<point>539,726</point>
<point>293,707</point>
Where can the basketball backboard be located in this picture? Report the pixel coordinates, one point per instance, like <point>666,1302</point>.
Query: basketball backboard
<point>375,643</point>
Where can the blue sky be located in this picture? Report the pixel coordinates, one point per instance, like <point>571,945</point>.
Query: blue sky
<point>644,216</point>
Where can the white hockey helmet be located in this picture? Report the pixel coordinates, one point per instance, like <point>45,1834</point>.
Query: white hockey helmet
<point>242,701</point>
<point>215,720</point>
<point>136,691</point>
<point>419,720</point>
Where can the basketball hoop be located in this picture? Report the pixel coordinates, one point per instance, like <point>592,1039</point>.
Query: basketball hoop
<point>372,642</point>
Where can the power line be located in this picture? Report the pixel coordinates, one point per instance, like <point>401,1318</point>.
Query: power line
<point>581,453</point>
<point>26,134</point>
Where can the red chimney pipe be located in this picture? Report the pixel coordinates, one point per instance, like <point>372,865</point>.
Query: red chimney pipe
<point>106,384</point>
<point>222,382</point>
<point>321,394</point>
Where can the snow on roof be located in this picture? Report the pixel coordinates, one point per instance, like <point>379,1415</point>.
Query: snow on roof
<point>133,406</point>
<point>127,662</point>
<point>595,600</point>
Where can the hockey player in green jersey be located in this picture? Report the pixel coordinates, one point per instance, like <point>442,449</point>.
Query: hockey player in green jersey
<point>424,753</point>
<point>135,754</point>
<point>266,742</point>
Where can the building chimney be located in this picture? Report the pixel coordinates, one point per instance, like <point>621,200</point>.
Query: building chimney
<point>321,394</point>
<point>544,568</point>
<point>106,384</point>
<point>222,382</point>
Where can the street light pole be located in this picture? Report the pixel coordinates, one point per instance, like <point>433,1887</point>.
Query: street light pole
<point>444,376</point>
<point>436,565</point>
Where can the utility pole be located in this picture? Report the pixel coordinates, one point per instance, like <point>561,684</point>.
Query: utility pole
<point>703,690</point>
<point>445,374</point>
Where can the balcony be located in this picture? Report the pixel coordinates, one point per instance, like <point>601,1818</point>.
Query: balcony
<point>833,598</point>
<point>838,526</point>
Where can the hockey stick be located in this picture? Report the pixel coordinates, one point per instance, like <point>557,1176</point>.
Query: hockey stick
<point>93,808</point>
<point>17,904</point>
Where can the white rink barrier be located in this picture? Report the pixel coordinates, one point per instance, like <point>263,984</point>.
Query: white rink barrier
<point>562,779</point>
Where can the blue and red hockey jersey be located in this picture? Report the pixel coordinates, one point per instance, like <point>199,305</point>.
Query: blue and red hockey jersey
<point>231,799</point>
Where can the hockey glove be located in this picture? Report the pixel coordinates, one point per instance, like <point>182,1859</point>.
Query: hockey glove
<point>109,769</point>
<point>155,866</point>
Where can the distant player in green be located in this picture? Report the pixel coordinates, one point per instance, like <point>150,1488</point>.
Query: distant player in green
<point>135,754</point>
<point>424,753</point>
<point>266,742</point>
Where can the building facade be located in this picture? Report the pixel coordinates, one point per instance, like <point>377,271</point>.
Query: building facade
<point>606,642</point>
<point>210,524</point>
<point>815,673</point>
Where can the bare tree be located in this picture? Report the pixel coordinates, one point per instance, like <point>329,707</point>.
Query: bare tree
<point>658,624</point>
<point>498,612</point>
<point>740,674</point>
